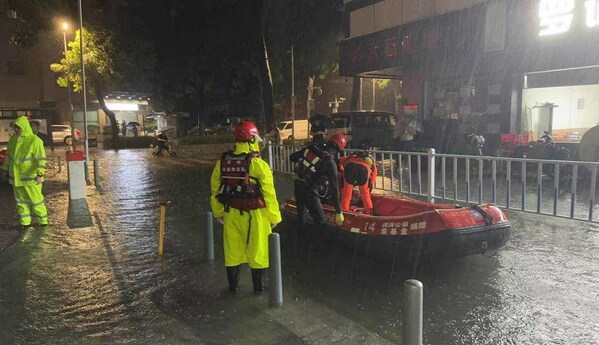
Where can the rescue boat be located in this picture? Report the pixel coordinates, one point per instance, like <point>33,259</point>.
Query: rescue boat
<point>415,228</point>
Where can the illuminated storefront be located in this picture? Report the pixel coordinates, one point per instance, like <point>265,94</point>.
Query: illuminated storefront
<point>494,67</point>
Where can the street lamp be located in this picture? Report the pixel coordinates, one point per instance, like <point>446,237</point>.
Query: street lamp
<point>84,89</point>
<point>65,28</point>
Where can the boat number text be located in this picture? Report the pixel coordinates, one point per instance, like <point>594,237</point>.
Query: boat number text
<point>394,228</point>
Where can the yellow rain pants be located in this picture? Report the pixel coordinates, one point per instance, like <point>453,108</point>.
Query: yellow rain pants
<point>30,204</point>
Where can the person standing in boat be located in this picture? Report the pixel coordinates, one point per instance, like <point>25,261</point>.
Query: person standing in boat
<point>243,199</point>
<point>315,178</point>
<point>359,171</point>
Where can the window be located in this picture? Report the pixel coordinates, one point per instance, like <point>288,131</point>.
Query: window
<point>60,129</point>
<point>341,122</point>
<point>361,121</point>
<point>495,27</point>
<point>15,66</point>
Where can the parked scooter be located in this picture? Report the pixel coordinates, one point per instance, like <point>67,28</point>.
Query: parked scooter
<point>545,148</point>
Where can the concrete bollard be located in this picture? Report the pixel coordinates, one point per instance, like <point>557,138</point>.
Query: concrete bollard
<point>161,226</point>
<point>412,312</point>
<point>76,163</point>
<point>275,283</point>
<point>96,174</point>
<point>209,236</point>
<point>269,149</point>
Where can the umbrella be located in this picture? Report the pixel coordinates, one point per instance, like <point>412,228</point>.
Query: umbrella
<point>133,124</point>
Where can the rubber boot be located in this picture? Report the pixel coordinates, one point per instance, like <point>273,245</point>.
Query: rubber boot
<point>257,280</point>
<point>233,278</point>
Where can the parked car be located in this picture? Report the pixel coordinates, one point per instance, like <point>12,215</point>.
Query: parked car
<point>64,134</point>
<point>342,125</point>
<point>365,129</point>
<point>302,129</point>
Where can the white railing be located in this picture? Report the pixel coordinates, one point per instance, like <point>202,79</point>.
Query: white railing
<point>564,189</point>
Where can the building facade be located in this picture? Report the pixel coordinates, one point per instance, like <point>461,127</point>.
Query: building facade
<point>489,67</point>
<point>27,85</point>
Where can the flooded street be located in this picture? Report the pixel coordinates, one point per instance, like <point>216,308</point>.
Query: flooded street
<point>106,284</point>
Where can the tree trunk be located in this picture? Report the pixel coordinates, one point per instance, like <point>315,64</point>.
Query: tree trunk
<point>201,115</point>
<point>266,86</point>
<point>260,54</point>
<point>114,126</point>
<point>356,96</point>
<point>397,99</point>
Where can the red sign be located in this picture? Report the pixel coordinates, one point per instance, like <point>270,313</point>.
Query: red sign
<point>515,139</point>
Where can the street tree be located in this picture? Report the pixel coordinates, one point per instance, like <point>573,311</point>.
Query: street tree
<point>313,28</point>
<point>103,65</point>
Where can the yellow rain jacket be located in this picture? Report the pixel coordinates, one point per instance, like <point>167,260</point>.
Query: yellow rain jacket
<point>246,233</point>
<point>26,156</point>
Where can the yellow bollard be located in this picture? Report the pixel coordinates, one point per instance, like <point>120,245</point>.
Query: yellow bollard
<point>161,227</point>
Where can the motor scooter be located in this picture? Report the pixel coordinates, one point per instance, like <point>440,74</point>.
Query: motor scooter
<point>157,151</point>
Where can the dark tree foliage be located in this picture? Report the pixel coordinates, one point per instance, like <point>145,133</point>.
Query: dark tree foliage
<point>182,49</point>
<point>199,43</point>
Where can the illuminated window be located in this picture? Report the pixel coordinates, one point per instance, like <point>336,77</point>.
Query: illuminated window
<point>592,13</point>
<point>556,16</point>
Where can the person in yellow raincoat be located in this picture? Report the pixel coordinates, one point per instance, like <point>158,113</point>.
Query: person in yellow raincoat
<point>26,165</point>
<point>243,199</point>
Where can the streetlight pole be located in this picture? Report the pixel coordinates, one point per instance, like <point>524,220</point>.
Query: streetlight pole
<point>292,95</point>
<point>83,88</point>
<point>65,27</point>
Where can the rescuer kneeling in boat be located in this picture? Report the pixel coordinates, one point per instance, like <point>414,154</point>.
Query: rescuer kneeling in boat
<point>315,179</point>
<point>358,170</point>
<point>243,199</point>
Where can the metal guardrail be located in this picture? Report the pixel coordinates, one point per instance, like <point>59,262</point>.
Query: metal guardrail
<point>566,189</point>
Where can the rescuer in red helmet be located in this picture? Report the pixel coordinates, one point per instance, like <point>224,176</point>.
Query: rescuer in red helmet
<point>315,179</point>
<point>243,199</point>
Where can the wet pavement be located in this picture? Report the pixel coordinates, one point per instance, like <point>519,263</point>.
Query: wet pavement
<point>105,283</point>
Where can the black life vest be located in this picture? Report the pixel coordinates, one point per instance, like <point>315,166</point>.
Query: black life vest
<point>356,170</point>
<point>309,166</point>
<point>237,190</point>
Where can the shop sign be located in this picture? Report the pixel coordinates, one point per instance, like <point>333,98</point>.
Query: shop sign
<point>557,16</point>
<point>370,53</point>
<point>592,7</point>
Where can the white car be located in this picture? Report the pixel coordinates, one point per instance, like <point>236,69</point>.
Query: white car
<point>64,134</point>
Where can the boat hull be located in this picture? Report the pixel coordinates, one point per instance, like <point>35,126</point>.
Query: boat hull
<point>434,232</point>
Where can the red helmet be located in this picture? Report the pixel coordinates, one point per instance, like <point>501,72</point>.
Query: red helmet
<point>339,141</point>
<point>246,131</point>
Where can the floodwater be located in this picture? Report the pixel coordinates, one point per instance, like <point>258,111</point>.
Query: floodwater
<point>105,284</point>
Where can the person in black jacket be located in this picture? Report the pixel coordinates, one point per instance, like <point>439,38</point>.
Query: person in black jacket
<point>316,179</point>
